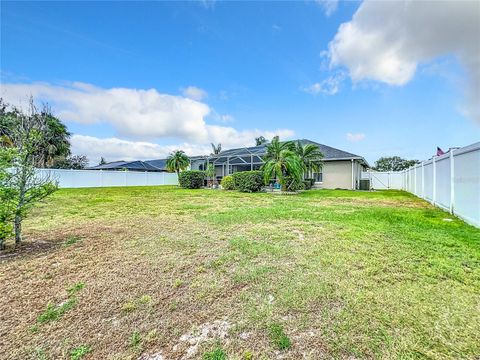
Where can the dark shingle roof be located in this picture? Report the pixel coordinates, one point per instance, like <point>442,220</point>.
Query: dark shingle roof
<point>329,152</point>
<point>131,165</point>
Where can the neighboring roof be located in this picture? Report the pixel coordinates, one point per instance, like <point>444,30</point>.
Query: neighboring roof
<point>159,163</point>
<point>328,152</point>
<point>110,165</point>
<point>132,165</point>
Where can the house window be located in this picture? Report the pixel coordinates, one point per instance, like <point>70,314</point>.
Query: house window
<point>318,177</point>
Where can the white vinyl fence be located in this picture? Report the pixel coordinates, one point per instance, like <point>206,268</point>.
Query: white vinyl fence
<point>450,181</point>
<point>104,178</point>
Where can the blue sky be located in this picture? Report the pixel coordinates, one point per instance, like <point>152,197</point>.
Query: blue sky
<point>138,79</point>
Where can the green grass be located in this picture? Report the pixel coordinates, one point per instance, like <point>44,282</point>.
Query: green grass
<point>346,274</point>
<point>79,352</point>
<point>278,337</point>
<point>217,354</point>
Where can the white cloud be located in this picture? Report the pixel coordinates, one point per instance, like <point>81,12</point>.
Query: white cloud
<point>328,86</point>
<point>355,137</point>
<point>329,6</point>
<point>227,118</point>
<point>114,149</point>
<point>386,41</point>
<point>135,113</point>
<point>194,93</point>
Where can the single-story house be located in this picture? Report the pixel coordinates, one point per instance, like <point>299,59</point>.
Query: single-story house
<point>341,169</point>
<point>148,165</point>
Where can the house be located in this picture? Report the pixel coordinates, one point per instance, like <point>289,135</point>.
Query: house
<point>341,169</point>
<point>149,165</point>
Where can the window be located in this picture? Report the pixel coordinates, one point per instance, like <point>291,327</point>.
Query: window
<point>318,177</point>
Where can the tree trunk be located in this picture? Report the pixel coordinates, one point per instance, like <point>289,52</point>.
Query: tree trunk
<point>2,243</point>
<point>18,230</point>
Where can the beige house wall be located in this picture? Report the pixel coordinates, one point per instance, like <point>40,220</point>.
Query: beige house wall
<point>337,174</point>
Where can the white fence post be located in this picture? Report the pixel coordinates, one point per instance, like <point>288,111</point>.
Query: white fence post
<point>434,180</point>
<point>452,183</point>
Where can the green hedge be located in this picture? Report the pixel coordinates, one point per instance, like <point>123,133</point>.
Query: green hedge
<point>248,181</point>
<point>191,179</point>
<point>228,183</point>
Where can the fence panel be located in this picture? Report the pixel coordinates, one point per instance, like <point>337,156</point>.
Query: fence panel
<point>450,181</point>
<point>428,180</point>
<point>442,181</point>
<point>466,184</point>
<point>105,178</point>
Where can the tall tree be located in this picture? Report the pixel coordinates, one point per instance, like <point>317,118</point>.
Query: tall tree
<point>102,161</point>
<point>281,161</point>
<point>393,163</point>
<point>216,148</point>
<point>24,183</point>
<point>310,156</point>
<point>177,161</point>
<point>75,162</point>
<point>260,141</point>
<point>55,136</point>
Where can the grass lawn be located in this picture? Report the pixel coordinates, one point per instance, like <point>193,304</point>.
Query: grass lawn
<point>115,273</point>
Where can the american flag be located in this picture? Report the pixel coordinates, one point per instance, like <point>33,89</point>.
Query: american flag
<point>440,151</point>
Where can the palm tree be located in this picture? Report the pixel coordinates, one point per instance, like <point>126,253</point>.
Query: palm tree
<point>281,160</point>
<point>310,156</point>
<point>210,172</point>
<point>216,149</point>
<point>177,161</point>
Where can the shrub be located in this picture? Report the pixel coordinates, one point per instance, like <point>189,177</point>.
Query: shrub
<point>291,183</point>
<point>308,183</point>
<point>228,183</point>
<point>191,179</point>
<point>248,181</point>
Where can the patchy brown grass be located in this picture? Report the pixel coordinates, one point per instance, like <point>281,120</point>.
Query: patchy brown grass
<point>171,264</point>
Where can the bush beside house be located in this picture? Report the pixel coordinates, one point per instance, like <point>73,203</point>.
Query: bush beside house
<point>228,183</point>
<point>248,181</point>
<point>191,179</point>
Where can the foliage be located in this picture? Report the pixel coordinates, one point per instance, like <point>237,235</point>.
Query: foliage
<point>217,354</point>
<point>79,352</point>
<point>310,156</point>
<point>25,186</point>
<point>393,163</point>
<point>260,141</point>
<point>308,183</point>
<point>75,162</point>
<point>177,161</point>
<point>228,183</point>
<point>191,179</point>
<point>248,181</point>
<point>53,312</point>
<point>54,142</point>
<point>291,183</point>
<point>278,337</point>
<point>216,148</point>
<point>7,195</point>
<point>135,340</point>
<point>210,172</point>
<point>102,161</point>
<point>281,160</point>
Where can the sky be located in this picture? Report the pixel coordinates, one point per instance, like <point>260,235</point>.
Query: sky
<point>137,80</point>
